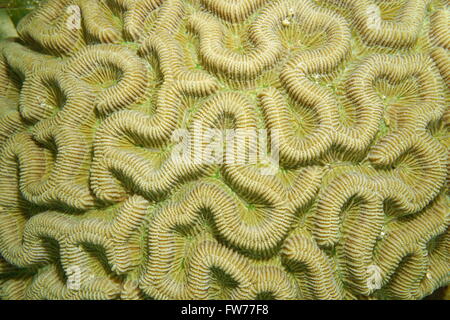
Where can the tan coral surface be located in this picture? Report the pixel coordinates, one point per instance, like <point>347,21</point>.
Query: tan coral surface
<point>356,93</point>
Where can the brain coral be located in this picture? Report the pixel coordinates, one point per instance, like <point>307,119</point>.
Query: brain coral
<point>353,96</point>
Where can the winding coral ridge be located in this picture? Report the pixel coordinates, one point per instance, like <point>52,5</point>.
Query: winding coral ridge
<point>349,201</point>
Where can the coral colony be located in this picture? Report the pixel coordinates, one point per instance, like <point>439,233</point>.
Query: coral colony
<point>212,149</point>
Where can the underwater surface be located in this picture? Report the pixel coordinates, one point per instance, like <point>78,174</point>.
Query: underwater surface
<point>208,149</point>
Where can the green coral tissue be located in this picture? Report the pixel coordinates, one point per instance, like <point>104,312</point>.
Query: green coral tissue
<point>225,149</point>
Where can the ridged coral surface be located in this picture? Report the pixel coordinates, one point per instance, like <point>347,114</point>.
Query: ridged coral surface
<point>354,95</point>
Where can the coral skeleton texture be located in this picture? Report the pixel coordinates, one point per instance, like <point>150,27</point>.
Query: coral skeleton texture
<point>354,96</point>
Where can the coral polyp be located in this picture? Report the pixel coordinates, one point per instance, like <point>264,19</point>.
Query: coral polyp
<point>212,149</point>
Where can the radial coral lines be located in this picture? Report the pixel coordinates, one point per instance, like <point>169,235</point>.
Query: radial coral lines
<point>409,240</point>
<point>359,243</point>
<point>98,21</point>
<point>234,10</point>
<point>136,14</point>
<point>64,27</point>
<point>99,200</point>
<point>71,232</point>
<point>369,107</point>
<point>162,277</point>
<point>408,190</point>
<point>46,183</point>
<point>262,32</point>
<point>154,130</point>
<point>47,285</point>
<point>400,33</point>
<point>58,38</point>
<point>103,63</point>
<point>300,249</point>
<point>30,248</point>
<point>409,193</point>
<point>440,35</point>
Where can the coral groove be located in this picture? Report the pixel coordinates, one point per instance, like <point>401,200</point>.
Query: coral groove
<point>347,196</point>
